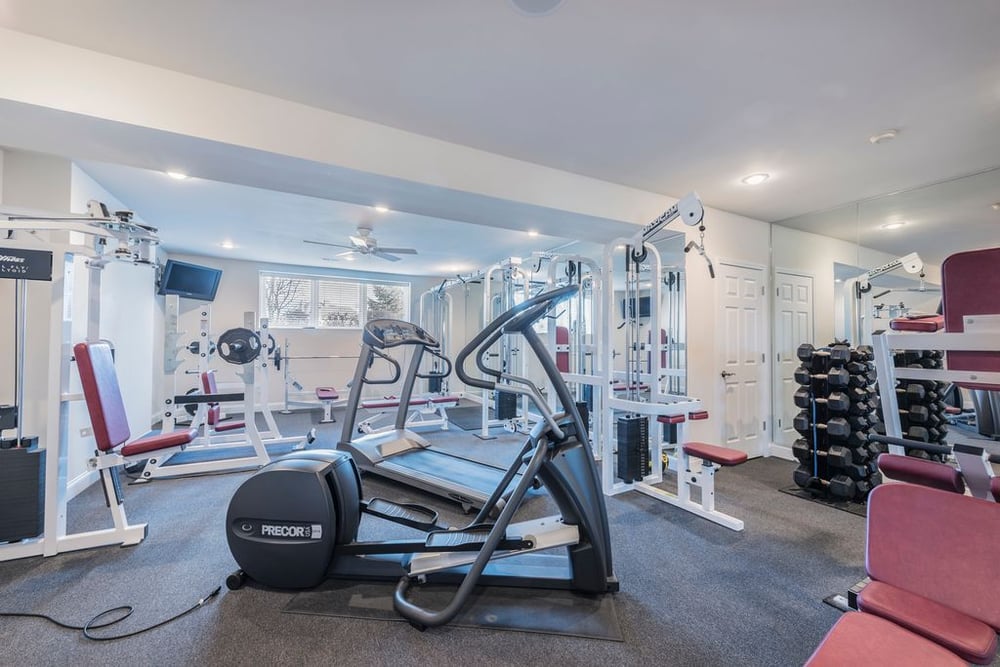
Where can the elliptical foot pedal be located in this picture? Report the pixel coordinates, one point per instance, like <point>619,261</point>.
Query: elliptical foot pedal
<point>471,539</point>
<point>414,516</point>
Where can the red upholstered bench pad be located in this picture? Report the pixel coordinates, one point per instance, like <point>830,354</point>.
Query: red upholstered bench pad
<point>995,488</point>
<point>926,323</point>
<point>229,426</point>
<point>671,419</point>
<point>864,639</point>
<point>918,471</point>
<point>971,639</point>
<point>700,414</point>
<point>327,394</point>
<point>155,443</point>
<point>724,456</point>
<point>952,410</point>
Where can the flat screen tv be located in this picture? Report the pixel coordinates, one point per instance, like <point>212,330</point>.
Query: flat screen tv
<point>189,280</point>
<point>643,306</point>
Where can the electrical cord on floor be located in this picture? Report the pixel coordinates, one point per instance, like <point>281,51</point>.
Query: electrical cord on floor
<point>124,612</point>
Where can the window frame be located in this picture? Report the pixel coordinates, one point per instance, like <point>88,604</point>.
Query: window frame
<point>315,280</point>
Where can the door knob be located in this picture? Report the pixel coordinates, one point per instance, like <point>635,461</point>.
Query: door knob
<point>726,374</point>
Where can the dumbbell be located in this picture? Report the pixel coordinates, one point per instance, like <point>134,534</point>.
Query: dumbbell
<point>838,378</point>
<point>866,351</point>
<point>917,414</point>
<point>805,352</point>
<point>837,456</point>
<point>839,355</point>
<point>835,402</point>
<point>918,433</point>
<point>857,394</point>
<point>840,486</point>
<point>803,376</point>
<point>859,408</point>
<point>916,391</point>
<point>836,427</point>
<point>857,422</point>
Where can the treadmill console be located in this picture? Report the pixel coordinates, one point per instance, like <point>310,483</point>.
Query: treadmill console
<point>392,333</point>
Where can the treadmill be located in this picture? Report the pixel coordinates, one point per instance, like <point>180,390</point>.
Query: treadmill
<point>400,454</point>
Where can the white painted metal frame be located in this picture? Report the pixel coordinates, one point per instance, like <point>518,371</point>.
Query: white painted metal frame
<point>982,334</point>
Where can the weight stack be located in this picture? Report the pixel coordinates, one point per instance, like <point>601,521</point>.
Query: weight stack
<point>633,448</point>
<point>835,459</point>
<point>504,405</point>
<point>22,493</point>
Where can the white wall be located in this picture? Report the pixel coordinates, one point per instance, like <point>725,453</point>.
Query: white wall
<point>239,293</point>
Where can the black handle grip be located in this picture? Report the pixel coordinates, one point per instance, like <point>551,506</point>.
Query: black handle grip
<point>909,444</point>
<point>396,370</point>
<point>495,327</point>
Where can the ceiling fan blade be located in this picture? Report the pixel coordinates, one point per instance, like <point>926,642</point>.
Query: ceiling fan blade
<point>359,241</point>
<point>332,245</point>
<point>385,255</point>
<point>399,251</point>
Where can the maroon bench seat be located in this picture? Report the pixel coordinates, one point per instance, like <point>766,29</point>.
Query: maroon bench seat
<point>209,386</point>
<point>107,409</point>
<point>698,415</point>
<point>961,634</point>
<point>671,419</point>
<point>925,323</point>
<point>919,471</point>
<point>863,639</point>
<point>931,556</point>
<point>995,488</point>
<point>327,393</point>
<point>724,456</point>
<point>438,400</point>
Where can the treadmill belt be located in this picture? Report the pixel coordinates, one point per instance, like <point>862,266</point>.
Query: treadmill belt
<point>479,476</point>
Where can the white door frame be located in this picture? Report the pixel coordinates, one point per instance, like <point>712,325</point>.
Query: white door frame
<point>765,378</point>
<point>775,449</point>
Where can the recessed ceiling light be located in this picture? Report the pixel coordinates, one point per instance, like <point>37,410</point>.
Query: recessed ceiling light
<point>619,247</point>
<point>227,244</point>
<point>176,175</point>
<point>755,179</point>
<point>381,208</point>
<point>893,225</point>
<point>838,280</point>
<point>536,7</point>
<point>883,136</point>
<point>349,258</point>
<point>996,206</point>
<point>532,232</point>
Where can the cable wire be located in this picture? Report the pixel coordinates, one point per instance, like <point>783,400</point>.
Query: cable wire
<point>97,623</point>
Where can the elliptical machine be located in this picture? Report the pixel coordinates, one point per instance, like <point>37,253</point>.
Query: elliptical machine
<point>295,522</point>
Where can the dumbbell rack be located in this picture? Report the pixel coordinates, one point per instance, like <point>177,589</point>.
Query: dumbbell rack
<point>837,411</point>
<point>921,407</point>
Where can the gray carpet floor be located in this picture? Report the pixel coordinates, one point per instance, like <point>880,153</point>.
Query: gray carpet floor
<point>692,592</point>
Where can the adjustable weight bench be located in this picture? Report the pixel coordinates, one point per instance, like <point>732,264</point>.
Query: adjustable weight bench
<point>931,557</point>
<point>420,407</point>
<point>111,432</point>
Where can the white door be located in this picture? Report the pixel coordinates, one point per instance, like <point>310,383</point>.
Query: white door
<point>793,325</point>
<point>743,344</point>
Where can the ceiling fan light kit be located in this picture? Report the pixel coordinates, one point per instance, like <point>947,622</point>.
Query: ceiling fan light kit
<point>364,243</point>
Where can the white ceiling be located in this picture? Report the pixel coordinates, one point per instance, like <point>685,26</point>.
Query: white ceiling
<point>664,96</point>
<point>196,216</point>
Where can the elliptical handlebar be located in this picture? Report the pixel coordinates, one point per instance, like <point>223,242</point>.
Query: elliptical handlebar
<point>532,309</point>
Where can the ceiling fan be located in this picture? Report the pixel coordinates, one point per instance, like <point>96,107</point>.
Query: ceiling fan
<point>363,243</point>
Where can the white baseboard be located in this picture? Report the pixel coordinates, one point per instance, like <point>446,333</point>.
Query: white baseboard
<point>79,484</point>
<point>780,451</point>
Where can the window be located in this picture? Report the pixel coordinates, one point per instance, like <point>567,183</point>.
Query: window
<point>297,301</point>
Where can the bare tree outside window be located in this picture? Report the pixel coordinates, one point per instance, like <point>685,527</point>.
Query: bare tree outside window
<point>330,302</point>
